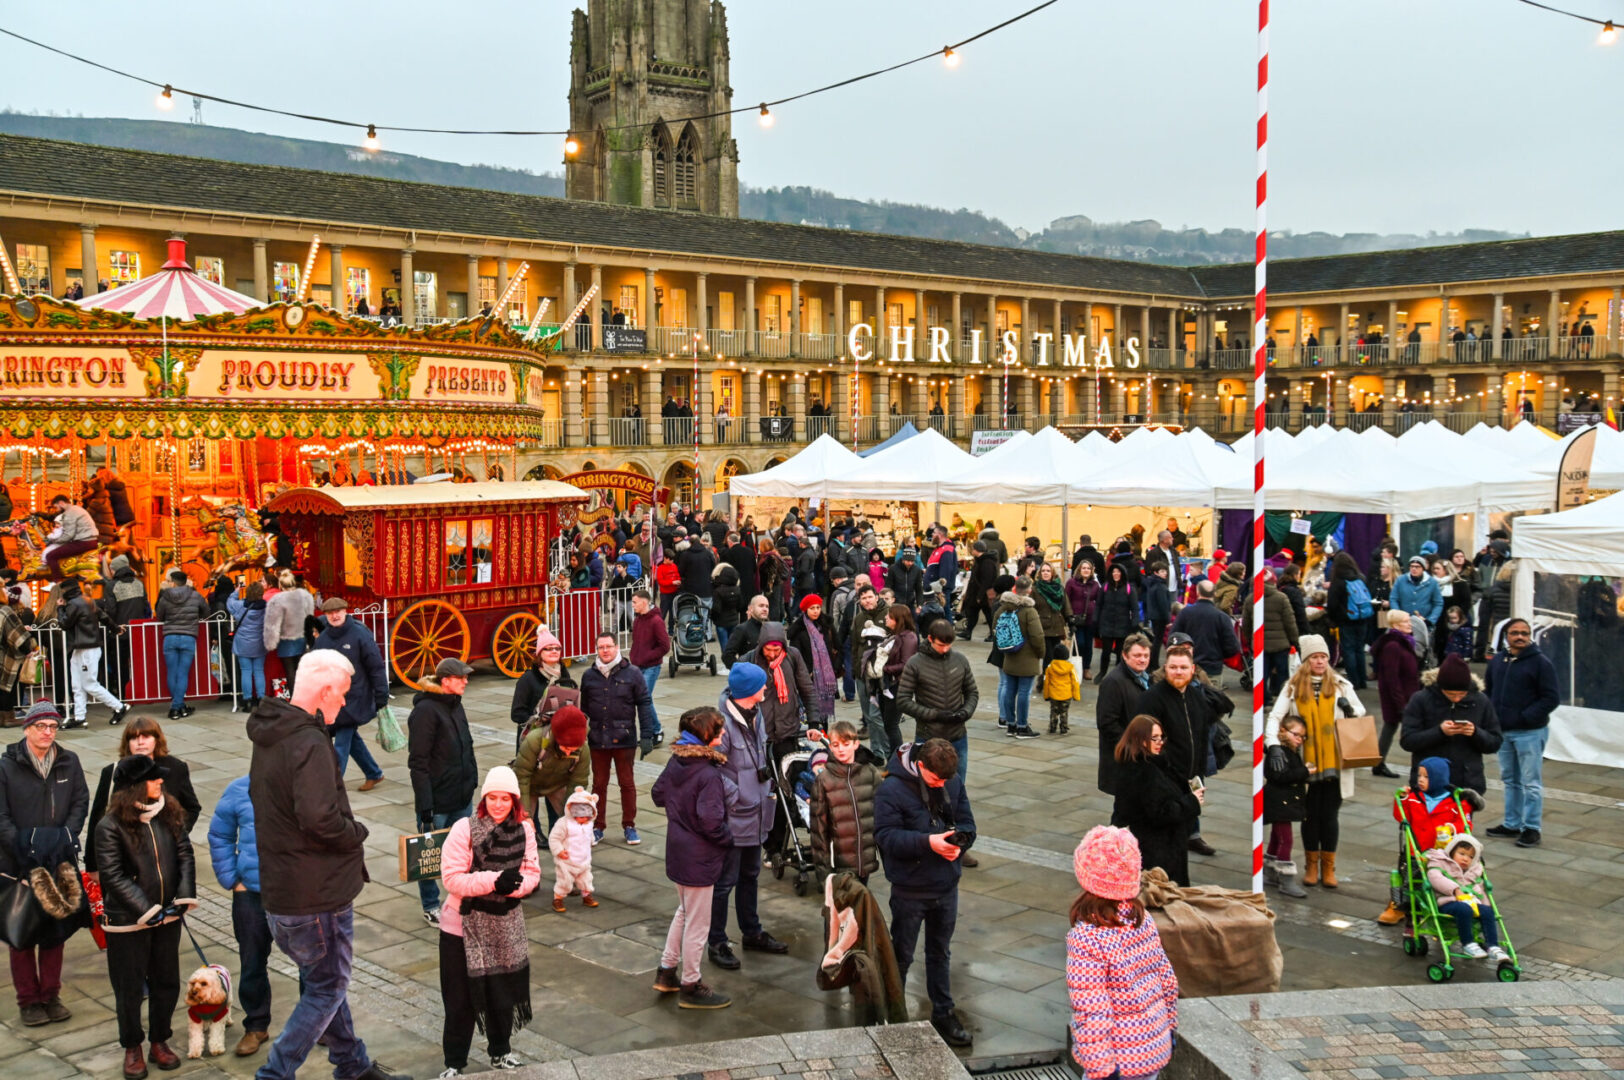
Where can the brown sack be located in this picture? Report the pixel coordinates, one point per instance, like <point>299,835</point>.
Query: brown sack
<point>1219,941</point>
<point>1356,744</point>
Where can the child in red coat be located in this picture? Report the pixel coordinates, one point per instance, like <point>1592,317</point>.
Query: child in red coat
<point>1434,815</point>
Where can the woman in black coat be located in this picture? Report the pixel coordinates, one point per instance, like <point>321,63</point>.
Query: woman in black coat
<point>1119,615</point>
<point>547,670</point>
<point>1157,807</point>
<point>143,736</point>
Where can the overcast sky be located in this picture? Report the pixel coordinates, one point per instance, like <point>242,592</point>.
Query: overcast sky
<point>1387,115</point>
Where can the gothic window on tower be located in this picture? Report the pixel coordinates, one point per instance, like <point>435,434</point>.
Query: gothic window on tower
<point>662,166</point>
<point>684,170</point>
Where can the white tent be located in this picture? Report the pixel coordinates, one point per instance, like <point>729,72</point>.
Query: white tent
<point>802,475</point>
<point>1346,474</point>
<point>1585,540</point>
<point>1506,482</point>
<point>910,470</point>
<point>1035,469</point>
<point>1186,470</point>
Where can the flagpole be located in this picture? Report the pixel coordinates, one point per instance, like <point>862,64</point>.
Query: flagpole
<point>1259,385</point>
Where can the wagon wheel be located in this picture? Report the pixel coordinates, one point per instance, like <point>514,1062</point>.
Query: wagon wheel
<point>513,645</point>
<point>426,633</point>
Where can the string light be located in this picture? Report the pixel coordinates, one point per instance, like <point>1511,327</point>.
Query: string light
<point>166,98</point>
<point>371,142</point>
<point>571,147</point>
<point>766,117</point>
<point>949,57</point>
<point>1608,35</point>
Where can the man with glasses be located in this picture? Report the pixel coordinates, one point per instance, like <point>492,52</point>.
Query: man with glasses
<point>43,797</point>
<point>1522,687</point>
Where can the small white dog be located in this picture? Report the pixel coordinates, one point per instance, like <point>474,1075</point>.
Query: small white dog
<point>208,1010</point>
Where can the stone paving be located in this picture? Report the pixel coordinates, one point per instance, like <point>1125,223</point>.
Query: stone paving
<point>591,970</point>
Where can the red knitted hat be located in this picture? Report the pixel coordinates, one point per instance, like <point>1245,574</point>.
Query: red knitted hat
<point>569,726</point>
<point>809,599</point>
<point>1107,863</point>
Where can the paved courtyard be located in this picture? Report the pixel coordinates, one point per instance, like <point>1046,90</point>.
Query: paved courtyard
<point>1033,800</point>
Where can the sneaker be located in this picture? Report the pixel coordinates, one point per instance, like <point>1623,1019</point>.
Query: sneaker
<point>174,714</point>
<point>1497,954</point>
<point>1024,733</point>
<point>1474,950</point>
<point>951,1031</point>
<point>632,839</point>
<point>449,1073</point>
<point>597,835</point>
<point>505,1061</point>
<point>432,917</point>
<point>1504,832</point>
<point>699,996</point>
<point>723,956</point>
<point>659,737</point>
<point>186,710</point>
<point>1002,722</point>
<point>118,717</point>
<point>765,942</point>
<point>69,724</point>
<point>665,980</point>
<point>1529,838</point>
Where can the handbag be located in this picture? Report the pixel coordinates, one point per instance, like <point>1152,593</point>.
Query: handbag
<point>1356,744</point>
<point>22,919</point>
<point>391,735</point>
<point>33,672</point>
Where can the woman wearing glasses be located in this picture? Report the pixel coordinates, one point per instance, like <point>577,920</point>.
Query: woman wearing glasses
<point>1153,803</point>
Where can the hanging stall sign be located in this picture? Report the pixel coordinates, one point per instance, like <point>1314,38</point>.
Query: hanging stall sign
<point>249,375</point>
<point>611,491</point>
<point>1573,478</point>
<point>439,378</point>
<point>30,371</point>
<point>624,339</point>
<point>983,441</point>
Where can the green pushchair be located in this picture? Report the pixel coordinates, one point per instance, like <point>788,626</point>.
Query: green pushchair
<point>1416,895</point>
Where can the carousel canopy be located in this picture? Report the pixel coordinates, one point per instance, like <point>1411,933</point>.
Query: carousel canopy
<point>176,292</point>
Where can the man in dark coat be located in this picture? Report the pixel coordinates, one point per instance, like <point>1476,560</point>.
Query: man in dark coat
<point>42,787</point>
<point>123,601</point>
<point>368,692</point>
<point>747,635</point>
<point>1522,687</point>
<point>1179,703</point>
<point>695,561</point>
<point>981,594</point>
<point>906,580</point>
<point>919,813</point>
<point>1212,631</point>
<point>1086,551</point>
<point>440,759</point>
<point>620,722</point>
<point>1118,702</point>
<point>312,864</point>
<point>1453,719</point>
<point>740,556</point>
<point>944,567</point>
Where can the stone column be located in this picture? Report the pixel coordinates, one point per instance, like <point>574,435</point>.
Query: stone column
<point>473,285</point>
<point>569,298</point>
<point>1390,402</point>
<point>335,274</point>
<point>1173,320</point>
<point>262,270</point>
<point>597,309</point>
<point>879,399</point>
<point>795,317</point>
<point>1026,398</point>
<point>840,319</point>
<point>797,404</point>
<point>1394,341</point>
<point>750,405</point>
<point>408,292</point>
<point>653,396</point>
<point>1492,404</point>
<point>1498,325</point>
<point>1297,332</point>
<point>881,320</point>
<point>749,316</point>
<point>955,406</point>
<point>1086,315</point>
<point>574,407</point>
<point>1116,331</point>
<point>599,388</point>
<point>651,308</point>
<point>702,305</point>
<point>954,336</point>
<point>1023,340</point>
<point>1144,331</point>
<point>1612,330</point>
<point>1553,325</point>
<point>921,331</point>
<point>1117,390</point>
<point>839,402</point>
<point>1609,389</point>
<point>1343,355</point>
<point>501,285</point>
<point>89,272</point>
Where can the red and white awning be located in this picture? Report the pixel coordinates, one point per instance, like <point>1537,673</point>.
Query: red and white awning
<point>176,291</point>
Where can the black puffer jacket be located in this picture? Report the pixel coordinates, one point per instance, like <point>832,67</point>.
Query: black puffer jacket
<point>124,598</point>
<point>843,816</point>
<point>440,752</point>
<point>619,711</point>
<point>1423,734</point>
<point>1285,791</point>
<point>727,600</point>
<point>939,692</point>
<point>1185,716</point>
<point>77,618</point>
<point>695,562</point>
<point>144,868</point>
<point>1119,612</point>
<point>310,845</point>
<point>1157,806</point>
<point>1116,704</point>
<point>29,801</point>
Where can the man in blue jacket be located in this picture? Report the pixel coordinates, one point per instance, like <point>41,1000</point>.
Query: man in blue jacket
<point>369,689</point>
<point>235,855</point>
<point>919,812</point>
<point>1417,592</point>
<point>1522,687</point>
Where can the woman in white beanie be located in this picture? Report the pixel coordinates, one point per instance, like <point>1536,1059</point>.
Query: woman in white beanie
<point>487,863</point>
<point>1317,694</point>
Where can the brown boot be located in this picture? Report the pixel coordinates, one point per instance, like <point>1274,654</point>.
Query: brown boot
<point>1392,916</point>
<point>1328,869</point>
<point>1311,868</point>
<point>135,1063</point>
<point>163,1057</point>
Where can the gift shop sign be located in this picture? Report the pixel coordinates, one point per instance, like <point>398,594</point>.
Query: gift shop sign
<point>249,375</point>
<point>58,372</point>
<point>447,379</point>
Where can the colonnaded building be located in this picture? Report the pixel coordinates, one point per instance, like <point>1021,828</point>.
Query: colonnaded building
<point>802,330</point>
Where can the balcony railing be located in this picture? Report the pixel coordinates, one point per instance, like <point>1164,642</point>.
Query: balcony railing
<point>552,434</point>
<point>822,425</point>
<point>628,431</point>
<point>677,430</point>
<point>730,430</point>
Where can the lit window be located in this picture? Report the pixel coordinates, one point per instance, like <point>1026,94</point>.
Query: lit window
<point>123,267</point>
<point>210,268</point>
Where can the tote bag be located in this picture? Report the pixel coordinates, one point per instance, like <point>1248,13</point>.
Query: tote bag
<point>391,733</point>
<point>1356,742</point>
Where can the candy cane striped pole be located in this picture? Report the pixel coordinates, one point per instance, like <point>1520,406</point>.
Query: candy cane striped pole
<point>1260,318</point>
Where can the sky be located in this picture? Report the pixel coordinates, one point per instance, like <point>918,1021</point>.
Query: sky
<point>1386,115</point>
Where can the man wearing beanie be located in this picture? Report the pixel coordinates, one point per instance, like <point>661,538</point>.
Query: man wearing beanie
<point>748,770</point>
<point>1452,718</point>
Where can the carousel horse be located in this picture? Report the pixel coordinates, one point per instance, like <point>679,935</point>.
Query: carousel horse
<point>238,541</point>
<point>30,532</point>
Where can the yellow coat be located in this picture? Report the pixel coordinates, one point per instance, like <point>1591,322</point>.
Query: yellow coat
<point>1060,682</point>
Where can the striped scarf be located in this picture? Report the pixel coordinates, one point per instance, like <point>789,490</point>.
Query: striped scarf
<point>493,926</point>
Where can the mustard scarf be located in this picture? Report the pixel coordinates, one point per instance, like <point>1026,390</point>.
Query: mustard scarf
<point>1320,748</point>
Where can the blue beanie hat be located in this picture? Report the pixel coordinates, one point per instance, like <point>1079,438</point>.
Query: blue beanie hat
<point>1429,548</point>
<point>745,679</point>
<point>1437,774</point>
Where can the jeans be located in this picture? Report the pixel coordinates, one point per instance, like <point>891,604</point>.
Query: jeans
<point>651,675</point>
<point>1354,636</point>
<point>323,945</point>
<point>722,634</point>
<point>253,936</point>
<point>1461,911</point>
<point>938,915</point>
<point>252,683</point>
<point>428,889</point>
<point>1083,639</point>
<point>848,684</point>
<point>1015,698</point>
<point>1522,765</point>
<point>179,652</point>
<point>962,745</point>
<point>741,874</point>
<point>349,742</point>
<point>36,973</point>
<point>1276,670</point>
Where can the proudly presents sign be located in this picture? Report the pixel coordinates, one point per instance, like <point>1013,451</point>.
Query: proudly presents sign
<point>445,379</point>
<point>1573,478</point>
<point>623,339</point>
<point>983,441</point>
<point>224,373</point>
<point>60,372</point>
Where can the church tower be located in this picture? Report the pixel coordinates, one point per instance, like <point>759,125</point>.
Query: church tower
<point>638,70</point>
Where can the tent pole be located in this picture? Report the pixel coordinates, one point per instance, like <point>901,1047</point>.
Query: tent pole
<point>1065,530</point>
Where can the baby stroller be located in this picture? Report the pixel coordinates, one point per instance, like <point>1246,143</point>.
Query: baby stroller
<point>788,848</point>
<point>1413,892</point>
<point>690,633</point>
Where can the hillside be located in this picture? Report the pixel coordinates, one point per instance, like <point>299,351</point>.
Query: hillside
<point>1140,241</point>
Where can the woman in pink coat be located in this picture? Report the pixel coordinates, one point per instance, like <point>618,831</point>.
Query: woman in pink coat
<point>1124,995</point>
<point>487,863</point>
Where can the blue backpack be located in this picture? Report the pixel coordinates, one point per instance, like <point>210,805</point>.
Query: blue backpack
<point>1359,605</point>
<point>1006,633</point>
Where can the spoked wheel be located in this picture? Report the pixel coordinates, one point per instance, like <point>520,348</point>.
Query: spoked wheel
<point>426,633</point>
<point>514,643</point>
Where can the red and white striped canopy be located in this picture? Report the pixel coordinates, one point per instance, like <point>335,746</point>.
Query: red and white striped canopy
<point>175,291</point>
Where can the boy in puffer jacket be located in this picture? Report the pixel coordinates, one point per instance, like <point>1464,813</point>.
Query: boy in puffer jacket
<point>571,845</point>
<point>1456,875</point>
<point>1060,687</point>
<point>842,807</point>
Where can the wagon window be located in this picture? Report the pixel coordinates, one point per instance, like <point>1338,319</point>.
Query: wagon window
<point>480,550</point>
<point>456,553</point>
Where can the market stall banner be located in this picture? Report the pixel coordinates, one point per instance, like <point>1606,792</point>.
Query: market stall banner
<point>621,339</point>
<point>225,373</point>
<point>453,379</point>
<point>983,441</point>
<point>52,371</point>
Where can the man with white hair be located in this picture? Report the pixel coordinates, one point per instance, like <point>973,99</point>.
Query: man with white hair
<point>312,864</point>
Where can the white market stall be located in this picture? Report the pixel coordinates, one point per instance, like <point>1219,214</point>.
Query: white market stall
<point>802,476</point>
<point>1570,573</point>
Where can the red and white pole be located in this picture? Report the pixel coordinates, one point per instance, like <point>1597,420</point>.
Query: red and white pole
<point>1260,322</point>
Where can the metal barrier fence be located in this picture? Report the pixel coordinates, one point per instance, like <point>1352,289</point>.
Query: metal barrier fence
<point>375,617</point>
<point>579,615</point>
<point>132,664</point>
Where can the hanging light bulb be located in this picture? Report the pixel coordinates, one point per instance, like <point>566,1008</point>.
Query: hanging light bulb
<point>571,147</point>
<point>372,142</point>
<point>166,98</point>
<point>949,57</point>
<point>1608,35</point>
<point>766,117</point>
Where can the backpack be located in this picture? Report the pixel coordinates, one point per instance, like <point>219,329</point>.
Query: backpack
<point>1006,632</point>
<point>668,576</point>
<point>554,699</point>
<point>1359,605</point>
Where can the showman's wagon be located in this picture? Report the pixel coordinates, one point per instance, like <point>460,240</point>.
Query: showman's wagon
<point>467,563</point>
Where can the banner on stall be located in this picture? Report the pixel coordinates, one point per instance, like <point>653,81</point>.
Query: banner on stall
<point>983,441</point>
<point>1573,478</point>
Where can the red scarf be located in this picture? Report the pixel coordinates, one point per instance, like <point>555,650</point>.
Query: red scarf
<point>777,667</point>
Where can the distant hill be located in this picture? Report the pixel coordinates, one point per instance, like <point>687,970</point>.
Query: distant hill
<point>1139,241</point>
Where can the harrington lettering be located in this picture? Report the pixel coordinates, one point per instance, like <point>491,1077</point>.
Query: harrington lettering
<point>251,375</point>
<point>22,371</point>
